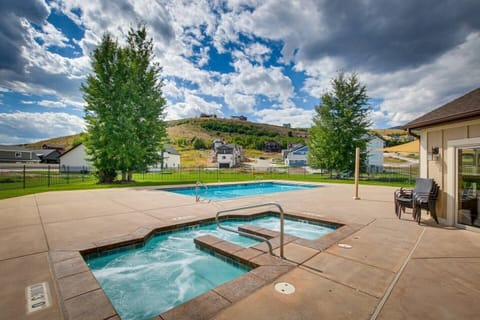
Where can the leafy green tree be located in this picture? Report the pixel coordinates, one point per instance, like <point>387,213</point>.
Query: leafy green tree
<point>124,112</point>
<point>340,125</point>
<point>198,143</point>
<point>79,139</point>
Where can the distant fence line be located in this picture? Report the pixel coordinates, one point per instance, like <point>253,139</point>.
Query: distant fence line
<point>30,176</point>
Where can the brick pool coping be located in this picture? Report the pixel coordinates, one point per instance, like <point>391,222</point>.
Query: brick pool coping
<point>83,298</point>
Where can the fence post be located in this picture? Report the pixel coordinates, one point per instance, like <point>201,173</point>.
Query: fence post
<point>68,174</point>
<point>409,174</point>
<point>24,176</point>
<point>48,176</point>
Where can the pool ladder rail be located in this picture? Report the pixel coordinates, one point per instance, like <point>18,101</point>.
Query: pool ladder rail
<point>198,185</point>
<point>270,248</point>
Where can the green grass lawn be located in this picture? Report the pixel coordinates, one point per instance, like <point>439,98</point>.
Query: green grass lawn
<point>37,184</point>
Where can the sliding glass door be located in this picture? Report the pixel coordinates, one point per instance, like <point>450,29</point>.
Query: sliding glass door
<point>468,186</point>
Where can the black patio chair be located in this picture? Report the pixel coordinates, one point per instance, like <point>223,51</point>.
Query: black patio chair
<point>405,198</point>
<point>426,202</point>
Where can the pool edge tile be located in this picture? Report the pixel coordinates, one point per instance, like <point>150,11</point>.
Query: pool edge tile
<point>202,307</point>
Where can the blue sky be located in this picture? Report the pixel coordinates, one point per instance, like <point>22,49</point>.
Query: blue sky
<point>269,60</point>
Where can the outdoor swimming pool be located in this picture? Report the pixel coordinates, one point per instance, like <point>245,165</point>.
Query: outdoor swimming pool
<point>168,270</point>
<point>218,192</point>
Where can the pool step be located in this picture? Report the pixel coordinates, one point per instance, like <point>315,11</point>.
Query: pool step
<point>273,236</point>
<point>230,250</point>
<point>258,231</point>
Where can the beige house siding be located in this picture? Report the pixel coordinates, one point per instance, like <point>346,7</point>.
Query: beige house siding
<point>439,136</point>
<point>474,131</point>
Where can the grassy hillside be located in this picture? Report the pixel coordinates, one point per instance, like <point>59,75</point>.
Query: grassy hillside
<point>199,127</point>
<point>66,141</point>
<point>390,132</point>
<point>183,133</point>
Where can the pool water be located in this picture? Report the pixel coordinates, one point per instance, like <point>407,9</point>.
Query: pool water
<point>299,228</point>
<point>240,190</point>
<point>169,270</point>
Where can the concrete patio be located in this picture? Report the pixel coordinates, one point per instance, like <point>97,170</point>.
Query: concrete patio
<point>395,269</point>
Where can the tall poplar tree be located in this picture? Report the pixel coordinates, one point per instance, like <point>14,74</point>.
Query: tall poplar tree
<point>124,112</point>
<point>340,125</point>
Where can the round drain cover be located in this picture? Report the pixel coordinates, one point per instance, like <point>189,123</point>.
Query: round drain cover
<point>285,288</point>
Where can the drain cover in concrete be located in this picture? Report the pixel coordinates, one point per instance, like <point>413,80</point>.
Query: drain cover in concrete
<point>37,297</point>
<point>284,288</point>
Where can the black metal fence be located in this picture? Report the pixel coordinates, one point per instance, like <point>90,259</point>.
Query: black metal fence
<point>36,175</point>
<point>30,176</point>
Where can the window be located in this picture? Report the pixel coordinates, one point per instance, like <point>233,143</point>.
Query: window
<point>18,154</point>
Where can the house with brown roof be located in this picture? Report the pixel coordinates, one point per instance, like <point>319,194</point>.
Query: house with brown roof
<point>450,154</point>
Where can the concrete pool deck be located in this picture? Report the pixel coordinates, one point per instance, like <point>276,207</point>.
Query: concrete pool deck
<point>394,270</point>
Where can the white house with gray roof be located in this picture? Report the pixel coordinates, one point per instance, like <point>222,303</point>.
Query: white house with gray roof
<point>171,159</point>
<point>76,160</point>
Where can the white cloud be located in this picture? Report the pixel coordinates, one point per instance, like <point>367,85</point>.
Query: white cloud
<point>192,107</point>
<point>240,103</point>
<point>297,117</point>
<point>46,103</point>
<point>258,52</point>
<point>410,93</point>
<point>180,29</point>
<point>23,127</point>
<point>52,104</point>
<point>270,82</point>
<point>51,36</point>
<point>407,93</point>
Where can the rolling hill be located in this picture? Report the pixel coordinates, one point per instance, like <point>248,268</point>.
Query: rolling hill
<point>182,132</point>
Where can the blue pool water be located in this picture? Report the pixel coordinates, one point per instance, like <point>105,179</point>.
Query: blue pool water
<point>301,229</point>
<point>169,270</point>
<point>240,190</point>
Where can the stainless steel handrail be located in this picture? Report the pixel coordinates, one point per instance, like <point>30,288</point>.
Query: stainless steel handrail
<point>197,187</point>
<point>251,235</point>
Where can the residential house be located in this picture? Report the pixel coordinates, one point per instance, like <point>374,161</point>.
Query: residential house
<point>169,158</point>
<point>48,155</point>
<point>59,148</point>
<point>217,143</point>
<point>296,155</point>
<point>241,118</point>
<point>17,154</point>
<point>75,160</point>
<point>374,150</point>
<point>272,146</point>
<point>228,155</point>
<point>450,154</point>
